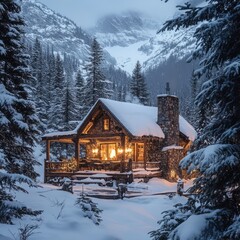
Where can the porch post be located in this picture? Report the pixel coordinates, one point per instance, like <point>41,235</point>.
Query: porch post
<point>48,143</point>
<point>123,153</point>
<point>77,151</point>
<point>144,154</point>
<point>48,150</point>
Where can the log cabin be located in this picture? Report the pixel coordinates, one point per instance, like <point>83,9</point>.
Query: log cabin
<point>121,136</point>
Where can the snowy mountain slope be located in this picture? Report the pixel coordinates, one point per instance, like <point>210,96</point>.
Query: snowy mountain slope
<point>162,46</point>
<point>54,30</point>
<point>125,38</point>
<point>132,36</point>
<point>123,30</point>
<point>57,31</point>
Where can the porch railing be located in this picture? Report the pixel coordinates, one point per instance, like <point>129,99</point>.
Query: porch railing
<point>71,166</point>
<point>59,167</point>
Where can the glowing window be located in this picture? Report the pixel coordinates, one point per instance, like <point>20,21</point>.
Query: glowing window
<point>140,151</point>
<point>108,151</point>
<point>106,124</point>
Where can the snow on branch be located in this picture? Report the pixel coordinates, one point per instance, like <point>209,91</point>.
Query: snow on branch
<point>210,159</point>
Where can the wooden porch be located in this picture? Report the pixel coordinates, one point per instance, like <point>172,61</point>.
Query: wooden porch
<point>70,168</point>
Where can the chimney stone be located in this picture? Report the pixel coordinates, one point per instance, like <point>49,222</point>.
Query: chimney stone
<point>168,118</point>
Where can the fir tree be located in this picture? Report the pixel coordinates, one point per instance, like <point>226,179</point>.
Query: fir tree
<point>68,105</point>
<point>97,85</point>
<point>89,208</point>
<point>38,64</point>
<point>217,158</point>
<point>50,79</point>
<point>138,87</point>
<point>17,114</point>
<point>80,94</point>
<point>56,110</point>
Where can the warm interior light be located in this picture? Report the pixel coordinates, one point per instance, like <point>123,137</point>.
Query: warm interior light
<point>95,150</point>
<point>173,174</point>
<point>112,154</point>
<point>128,150</point>
<point>120,150</point>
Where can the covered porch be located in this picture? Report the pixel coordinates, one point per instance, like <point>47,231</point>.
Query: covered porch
<point>109,153</point>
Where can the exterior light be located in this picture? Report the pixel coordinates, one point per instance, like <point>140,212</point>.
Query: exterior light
<point>120,150</point>
<point>173,174</point>
<point>128,150</point>
<point>95,150</point>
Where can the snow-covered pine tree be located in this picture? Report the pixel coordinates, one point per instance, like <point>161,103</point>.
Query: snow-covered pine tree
<point>56,111</point>
<point>138,88</point>
<point>89,208</point>
<point>17,114</point>
<point>80,95</point>
<point>50,79</point>
<point>38,65</point>
<point>217,159</point>
<point>97,85</point>
<point>69,109</point>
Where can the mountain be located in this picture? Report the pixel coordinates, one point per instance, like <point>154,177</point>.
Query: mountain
<point>57,31</point>
<point>54,30</point>
<point>126,38</point>
<point>132,36</point>
<point>123,30</point>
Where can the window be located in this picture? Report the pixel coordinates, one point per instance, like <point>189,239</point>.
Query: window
<point>106,124</point>
<point>140,151</point>
<point>108,151</point>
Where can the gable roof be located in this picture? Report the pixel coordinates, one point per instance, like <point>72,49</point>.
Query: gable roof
<point>138,120</point>
<point>141,120</point>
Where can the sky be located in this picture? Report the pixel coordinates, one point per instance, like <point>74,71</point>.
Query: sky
<point>86,12</point>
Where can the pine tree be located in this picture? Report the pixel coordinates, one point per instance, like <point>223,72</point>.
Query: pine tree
<point>50,80</point>
<point>217,158</point>
<point>89,208</point>
<point>80,95</point>
<point>138,87</point>
<point>97,85</point>
<point>17,114</point>
<point>69,110</point>
<point>38,64</point>
<point>56,110</point>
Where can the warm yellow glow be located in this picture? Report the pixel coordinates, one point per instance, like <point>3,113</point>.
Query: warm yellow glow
<point>128,150</point>
<point>95,150</point>
<point>112,153</point>
<point>173,174</point>
<point>106,124</point>
<point>120,150</point>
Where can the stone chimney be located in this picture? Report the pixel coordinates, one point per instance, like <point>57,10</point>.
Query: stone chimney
<point>168,118</point>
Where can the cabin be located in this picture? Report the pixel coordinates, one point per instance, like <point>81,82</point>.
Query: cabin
<point>121,137</point>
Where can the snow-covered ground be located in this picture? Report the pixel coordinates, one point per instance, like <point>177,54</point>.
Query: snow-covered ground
<point>130,218</point>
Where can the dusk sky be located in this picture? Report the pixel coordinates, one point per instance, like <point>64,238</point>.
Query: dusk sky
<point>86,12</point>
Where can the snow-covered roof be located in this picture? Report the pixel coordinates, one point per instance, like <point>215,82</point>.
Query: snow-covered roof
<point>187,129</point>
<point>63,133</point>
<point>139,120</point>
